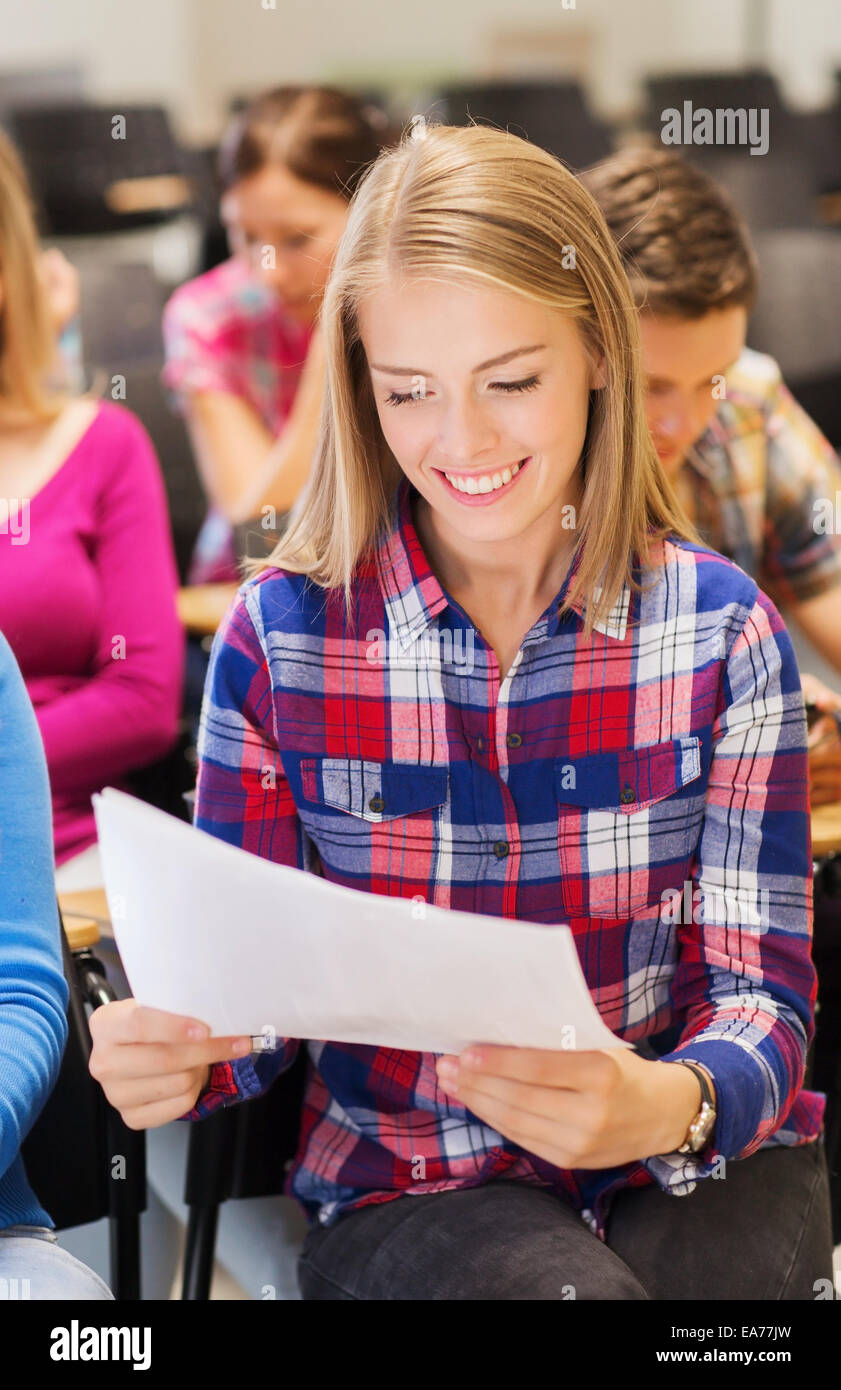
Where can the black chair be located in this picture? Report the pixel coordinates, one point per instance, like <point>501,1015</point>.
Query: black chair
<point>165,782</point>
<point>554,115</point>
<point>147,397</point>
<point>755,88</point>
<point>129,345</point>
<point>81,1160</point>
<point>86,181</point>
<point>120,311</point>
<point>815,137</point>
<point>242,1151</point>
<point>771,194</point>
<point>796,317</point>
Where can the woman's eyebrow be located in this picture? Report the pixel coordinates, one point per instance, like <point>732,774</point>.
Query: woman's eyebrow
<point>482,367</point>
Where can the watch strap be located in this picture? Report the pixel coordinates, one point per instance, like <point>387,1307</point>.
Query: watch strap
<point>707,1111</point>
<point>706,1090</point>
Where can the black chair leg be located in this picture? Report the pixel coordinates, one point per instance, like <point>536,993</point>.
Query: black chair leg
<point>199,1252</point>
<point>124,1249</point>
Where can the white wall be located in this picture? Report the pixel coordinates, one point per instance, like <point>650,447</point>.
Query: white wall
<point>193,55</point>
<point>244,46</point>
<point>131,50</point>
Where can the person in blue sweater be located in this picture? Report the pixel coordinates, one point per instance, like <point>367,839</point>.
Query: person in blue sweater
<point>33,1002</point>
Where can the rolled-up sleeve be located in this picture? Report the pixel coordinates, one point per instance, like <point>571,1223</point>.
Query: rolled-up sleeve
<point>243,797</point>
<point>745,982</point>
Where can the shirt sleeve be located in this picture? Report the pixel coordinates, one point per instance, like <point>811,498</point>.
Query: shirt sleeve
<point>745,982</point>
<point>126,714</point>
<point>243,797</point>
<point>802,556</point>
<point>197,356</point>
<point>33,990</point>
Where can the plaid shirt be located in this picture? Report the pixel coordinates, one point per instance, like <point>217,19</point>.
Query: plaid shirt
<point>751,482</point>
<point>224,331</point>
<point>667,753</point>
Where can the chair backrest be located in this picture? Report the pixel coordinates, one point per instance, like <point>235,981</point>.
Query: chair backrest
<point>780,191</point>
<point>78,155</point>
<point>147,398</point>
<point>797,315</point>
<point>165,782</point>
<point>746,87</point>
<point>554,115</point>
<point>120,311</point>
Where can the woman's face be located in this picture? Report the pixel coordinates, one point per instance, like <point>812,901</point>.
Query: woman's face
<point>483,399</point>
<point>288,231</point>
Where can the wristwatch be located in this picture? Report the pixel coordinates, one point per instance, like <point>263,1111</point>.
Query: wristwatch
<point>700,1130</point>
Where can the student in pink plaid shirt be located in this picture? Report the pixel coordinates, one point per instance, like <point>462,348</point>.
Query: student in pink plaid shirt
<point>485,470</point>
<point>244,357</point>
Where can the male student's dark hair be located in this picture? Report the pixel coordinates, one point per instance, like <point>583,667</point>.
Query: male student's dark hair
<point>685,248</point>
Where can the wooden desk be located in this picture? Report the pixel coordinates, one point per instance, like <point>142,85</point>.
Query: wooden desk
<point>201,607</point>
<point>826,829</point>
<point>91,902</point>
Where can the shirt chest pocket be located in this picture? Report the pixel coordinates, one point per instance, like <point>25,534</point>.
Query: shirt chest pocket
<point>377,819</point>
<point>628,825</point>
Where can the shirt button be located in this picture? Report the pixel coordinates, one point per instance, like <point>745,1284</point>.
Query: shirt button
<point>514,740</point>
<point>480,744</point>
<point>627,795</point>
<point>376,804</point>
<point>501,849</point>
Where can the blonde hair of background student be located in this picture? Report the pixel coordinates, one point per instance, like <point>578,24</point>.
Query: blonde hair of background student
<point>27,327</point>
<point>454,202</point>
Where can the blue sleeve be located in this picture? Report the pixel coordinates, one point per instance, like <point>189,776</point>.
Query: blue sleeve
<point>33,990</point>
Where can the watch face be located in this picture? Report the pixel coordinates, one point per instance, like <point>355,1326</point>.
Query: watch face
<point>700,1138</point>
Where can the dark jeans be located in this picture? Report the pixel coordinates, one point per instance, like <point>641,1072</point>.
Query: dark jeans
<point>760,1232</point>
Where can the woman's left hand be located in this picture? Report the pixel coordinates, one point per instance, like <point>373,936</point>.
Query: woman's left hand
<point>593,1109</point>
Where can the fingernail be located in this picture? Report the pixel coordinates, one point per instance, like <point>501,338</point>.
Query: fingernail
<point>197,1032</point>
<point>471,1059</point>
<point>446,1068</point>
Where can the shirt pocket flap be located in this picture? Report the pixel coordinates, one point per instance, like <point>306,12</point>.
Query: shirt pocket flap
<point>629,779</point>
<point>375,791</point>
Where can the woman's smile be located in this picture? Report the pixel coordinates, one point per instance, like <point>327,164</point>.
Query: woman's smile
<point>475,489</point>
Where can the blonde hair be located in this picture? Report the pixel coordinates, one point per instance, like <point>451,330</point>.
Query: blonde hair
<point>27,337</point>
<point>444,203</point>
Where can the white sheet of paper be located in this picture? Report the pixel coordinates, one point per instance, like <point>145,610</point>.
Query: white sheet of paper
<point>212,931</point>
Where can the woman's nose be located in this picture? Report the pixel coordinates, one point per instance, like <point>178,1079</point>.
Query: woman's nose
<point>466,431</point>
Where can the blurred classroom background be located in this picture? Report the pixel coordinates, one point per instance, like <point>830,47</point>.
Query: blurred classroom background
<point>139,215</point>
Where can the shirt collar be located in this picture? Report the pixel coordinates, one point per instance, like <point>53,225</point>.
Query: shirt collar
<point>413,595</point>
<point>708,456</point>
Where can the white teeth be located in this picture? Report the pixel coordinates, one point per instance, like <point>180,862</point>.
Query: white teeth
<point>487,483</point>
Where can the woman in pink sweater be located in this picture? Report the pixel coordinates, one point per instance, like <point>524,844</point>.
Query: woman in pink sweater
<point>87,571</point>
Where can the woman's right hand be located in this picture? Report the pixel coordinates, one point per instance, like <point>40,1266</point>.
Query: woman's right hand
<point>153,1065</point>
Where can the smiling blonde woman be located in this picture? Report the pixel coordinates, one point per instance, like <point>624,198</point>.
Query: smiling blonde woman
<point>630,724</point>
